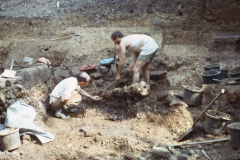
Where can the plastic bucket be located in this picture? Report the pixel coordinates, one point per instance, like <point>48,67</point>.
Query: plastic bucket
<point>212,66</point>
<point>9,138</point>
<point>234,72</point>
<point>234,129</point>
<point>209,75</point>
<point>216,122</point>
<point>192,95</point>
<point>223,73</point>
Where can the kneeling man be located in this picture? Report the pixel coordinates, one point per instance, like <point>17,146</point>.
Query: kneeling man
<point>67,94</point>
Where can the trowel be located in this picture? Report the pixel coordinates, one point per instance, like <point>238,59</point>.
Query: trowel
<point>114,65</point>
<point>236,81</point>
<point>9,73</point>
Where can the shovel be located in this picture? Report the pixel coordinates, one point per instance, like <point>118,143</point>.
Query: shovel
<point>191,129</point>
<point>9,73</point>
<point>229,82</point>
<point>114,66</point>
<point>124,74</point>
<point>74,34</point>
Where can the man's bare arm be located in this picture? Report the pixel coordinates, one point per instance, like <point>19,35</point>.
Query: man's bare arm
<point>122,59</point>
<point>84,93</point>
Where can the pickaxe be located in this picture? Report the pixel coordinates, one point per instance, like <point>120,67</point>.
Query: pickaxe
<point>74,34</point>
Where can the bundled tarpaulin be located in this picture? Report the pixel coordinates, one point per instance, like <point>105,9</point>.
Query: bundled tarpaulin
<point>2,127</point>
<point>107,62</point>
<point>22,115</point>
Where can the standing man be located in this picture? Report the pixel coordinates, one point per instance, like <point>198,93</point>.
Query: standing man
<point>144,49</point>
<point>67,94</point>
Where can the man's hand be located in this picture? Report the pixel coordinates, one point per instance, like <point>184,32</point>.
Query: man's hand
<point>95,98</point>
<point>117,78</point>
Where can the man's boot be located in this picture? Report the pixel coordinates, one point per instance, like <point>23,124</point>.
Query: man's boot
<point>72,110</point>
<point>68,109</point>
<point>60,114</point>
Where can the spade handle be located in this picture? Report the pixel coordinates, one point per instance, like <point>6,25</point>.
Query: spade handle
<point>12,65</point>
<point>219,94</point>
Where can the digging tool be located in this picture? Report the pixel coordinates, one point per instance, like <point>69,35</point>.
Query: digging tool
<point>9,73</point>
<point>204,153</point>
<point>115,81</point>
<point>94,84</point>
<point>114,65</point>
<point>228,82</point>
<point>191,129</point>
<point>74,34</point>
<point>192,143</point>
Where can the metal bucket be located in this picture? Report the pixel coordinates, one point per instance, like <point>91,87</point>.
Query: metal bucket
<point>216,124</point>
<point>209,75</point>
<point>234,129</point>
<point>223,73</point>
<point>235,72</point>
<point>9,138</point>
<point>212,66</point>
<point>192,95</point>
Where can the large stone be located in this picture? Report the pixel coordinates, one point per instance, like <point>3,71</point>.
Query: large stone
<point>129,156</point>
<point>96,75</point>
<point>172,101</point>
<point>33,76</point>
<point>60,74</point>
<point>160,152</point>
<point>26,139</point>
<point>183,157</point>
<point>74,71</point>
<point>2,83</point>
<point>99,83</point>
<point>55,57</point>
<point>164,94</point>
<point>157,75</point>
<point>173,158</point>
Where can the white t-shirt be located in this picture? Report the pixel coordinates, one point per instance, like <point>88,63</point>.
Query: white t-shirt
<point>65,87</point>
<point>143,44</point>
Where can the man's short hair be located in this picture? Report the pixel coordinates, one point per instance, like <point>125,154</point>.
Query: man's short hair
<point>116,34</point>
<point>81,77</point>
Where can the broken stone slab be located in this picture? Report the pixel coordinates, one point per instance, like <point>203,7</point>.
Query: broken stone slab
<point>164,94</point>
<point>158,75</point>
<point>160,152</point>
<point>172,100</point>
